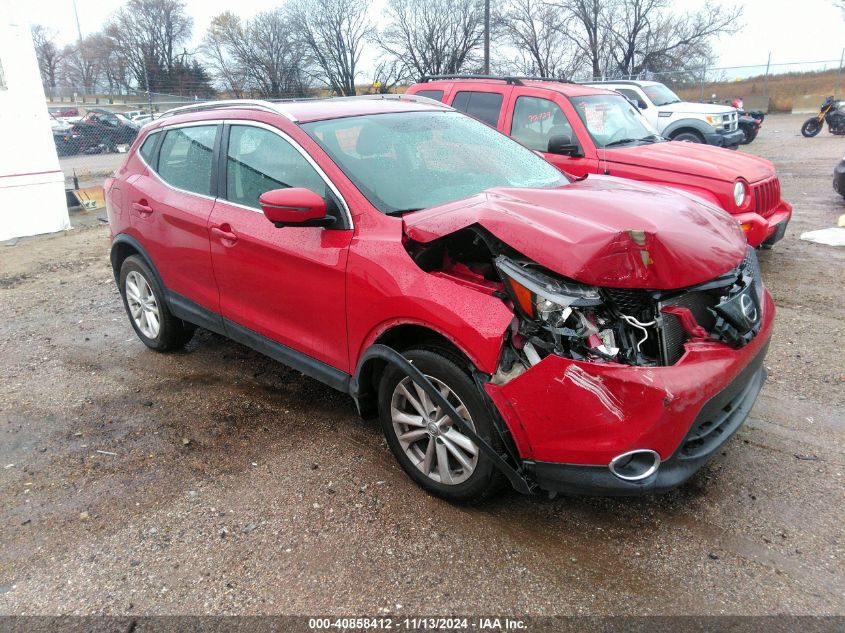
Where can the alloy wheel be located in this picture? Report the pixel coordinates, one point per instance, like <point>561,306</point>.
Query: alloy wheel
<point>427,435</point>
<point>143,305</point>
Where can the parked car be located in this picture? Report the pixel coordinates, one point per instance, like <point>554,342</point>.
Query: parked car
<point>594,335</point>
<point>134,114</point>
<point>64,112</point>
<point>102,131</point>
<point>63,137</point>
<point>588,130</point>
<point>839,178</point>
<point>677,119</point>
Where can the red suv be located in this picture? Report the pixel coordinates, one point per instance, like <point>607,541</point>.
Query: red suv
<point>589,130</point>
<point>504,321</point>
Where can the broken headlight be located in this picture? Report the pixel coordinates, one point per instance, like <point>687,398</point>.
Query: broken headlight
<point>541,297</point>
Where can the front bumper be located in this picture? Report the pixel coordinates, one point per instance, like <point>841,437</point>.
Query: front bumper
<point>723,138</point>
<point>765,230</point>
<point>839,178</point>
<point>569,418</point>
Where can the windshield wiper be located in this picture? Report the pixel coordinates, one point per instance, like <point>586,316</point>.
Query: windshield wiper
<point>622,141</point>
<point>402,211</point>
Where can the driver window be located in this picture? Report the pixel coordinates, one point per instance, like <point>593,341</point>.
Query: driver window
<point>536,120</point>
<point>259,160</point>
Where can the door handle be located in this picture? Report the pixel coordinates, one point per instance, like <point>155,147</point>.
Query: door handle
<point>143,209</point>
<point>225,234</point>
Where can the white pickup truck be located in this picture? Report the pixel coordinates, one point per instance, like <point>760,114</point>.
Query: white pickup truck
<point>677,119</point>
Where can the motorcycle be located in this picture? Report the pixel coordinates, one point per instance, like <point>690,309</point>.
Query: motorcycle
<point>749,121</point>
<point>831,111</point>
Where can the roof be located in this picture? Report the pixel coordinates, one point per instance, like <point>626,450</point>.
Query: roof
<point>305,110</point>
<point>623,82</point>
<point>566,88</point>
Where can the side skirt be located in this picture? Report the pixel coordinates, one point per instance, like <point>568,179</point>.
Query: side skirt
<point>192,312</point>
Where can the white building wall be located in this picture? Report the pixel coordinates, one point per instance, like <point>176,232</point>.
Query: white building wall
<point>32,186</point>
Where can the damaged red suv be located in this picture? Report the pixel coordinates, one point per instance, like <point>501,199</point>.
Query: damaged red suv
<point>506,323</point>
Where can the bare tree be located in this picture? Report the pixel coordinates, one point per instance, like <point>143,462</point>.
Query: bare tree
<point>48,54</point>
<point>388,74</point>
<point>260,56</point>
<point>151,33</point>
<point>223,47</point>
<point>538,31</point>
<point>335,33</point>
<point>646,35</point>
<point>433,37</point>
<point>589,32</point>
<point>81,63</point>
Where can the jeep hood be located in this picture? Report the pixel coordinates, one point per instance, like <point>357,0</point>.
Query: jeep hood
<point>602,231</point>
<point>691,107</point>
<point>695,159</point>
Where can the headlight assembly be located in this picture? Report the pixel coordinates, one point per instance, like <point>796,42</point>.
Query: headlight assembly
<point>740,193</point>
<point>541,297</point>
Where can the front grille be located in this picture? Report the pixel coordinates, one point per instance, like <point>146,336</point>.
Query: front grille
<point>766,196</point>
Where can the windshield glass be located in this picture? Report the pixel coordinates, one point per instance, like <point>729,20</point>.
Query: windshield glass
<point>660,94</point>
<point>406,161</point>
<point>613,120</point>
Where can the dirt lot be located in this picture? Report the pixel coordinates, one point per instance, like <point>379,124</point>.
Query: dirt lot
<point>216,481</point>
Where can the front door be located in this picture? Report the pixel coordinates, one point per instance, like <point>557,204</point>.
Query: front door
<point>286,284</point>
<point>534,119</point>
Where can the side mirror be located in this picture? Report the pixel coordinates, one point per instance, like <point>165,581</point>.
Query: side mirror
<point>564,146</point>
<point>642,105</point>
<point>294,206</point>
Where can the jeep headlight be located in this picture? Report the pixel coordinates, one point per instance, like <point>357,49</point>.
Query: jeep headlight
<point>740,193</point>
<point>714,119</point>
<point>541,297</point>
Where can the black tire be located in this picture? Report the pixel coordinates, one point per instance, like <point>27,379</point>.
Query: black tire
<point>811,127</point>
<point>436,363</point>
<point>172,333</point>
<point>748,135</point>
<point>689,136</point>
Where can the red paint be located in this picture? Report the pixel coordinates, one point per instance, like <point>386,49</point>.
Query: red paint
<point>331,294</point>
<point>706,171</point>
<point>583,231</point>
<point>575,412</point>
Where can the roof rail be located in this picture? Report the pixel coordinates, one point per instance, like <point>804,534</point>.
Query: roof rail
<point>508,79</point>
<point>395,97</point>
<point>226,103</point>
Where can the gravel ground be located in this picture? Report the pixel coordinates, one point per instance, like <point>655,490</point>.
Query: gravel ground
<point>216,481</point>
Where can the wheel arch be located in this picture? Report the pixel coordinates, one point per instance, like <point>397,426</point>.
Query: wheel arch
<point>400,337</point>
<point>124,246</point>
<point>702,128</point>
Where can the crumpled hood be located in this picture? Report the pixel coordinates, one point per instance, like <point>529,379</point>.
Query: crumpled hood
<point>602,231</point>
<point>695,159</point>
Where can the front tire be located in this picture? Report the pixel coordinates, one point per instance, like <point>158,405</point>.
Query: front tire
<point>811,127</point>
<point>433,453</point>
<point>689,137</point>
<point>143,299</point>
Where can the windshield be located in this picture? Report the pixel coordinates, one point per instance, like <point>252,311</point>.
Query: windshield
<point>613,120</point>
<point>406,161</point>
<point>660,94</point>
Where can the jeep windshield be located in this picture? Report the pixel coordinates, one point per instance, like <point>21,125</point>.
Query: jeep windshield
<point>660,95</point>
<point>407,161</point>
<point>613,121</point>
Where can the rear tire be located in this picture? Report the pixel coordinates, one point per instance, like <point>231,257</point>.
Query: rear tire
<point>436,456</point>
<point>143,299</point>
<point>689,137</point>
<point>811,127</point>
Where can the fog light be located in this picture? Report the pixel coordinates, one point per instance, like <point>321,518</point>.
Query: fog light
<point>635,465</point>
<point>746,226</point>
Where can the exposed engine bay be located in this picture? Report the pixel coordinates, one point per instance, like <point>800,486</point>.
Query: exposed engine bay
<point>557,315</point>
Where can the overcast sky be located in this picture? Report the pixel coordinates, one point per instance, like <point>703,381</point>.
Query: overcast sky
<point>815,31</point>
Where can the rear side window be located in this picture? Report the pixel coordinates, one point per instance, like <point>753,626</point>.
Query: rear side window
<point>484,106</point>
<point>259,160</point>
<point>186,158</point>
<point>437,95</point>
<point>148,149</point>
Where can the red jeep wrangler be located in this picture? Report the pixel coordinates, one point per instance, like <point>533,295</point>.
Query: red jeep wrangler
<point>587,130</point>
<point>592,336</point>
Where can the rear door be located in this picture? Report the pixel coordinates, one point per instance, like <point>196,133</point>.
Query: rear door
<point>286,284</point>
<point>485,105</point>
<point>534,116</point>
<point>169,206</point>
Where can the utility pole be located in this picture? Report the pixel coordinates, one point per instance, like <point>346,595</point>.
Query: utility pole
<point>839,74</point>
<point>486,37</point>
<point>79,44</point>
